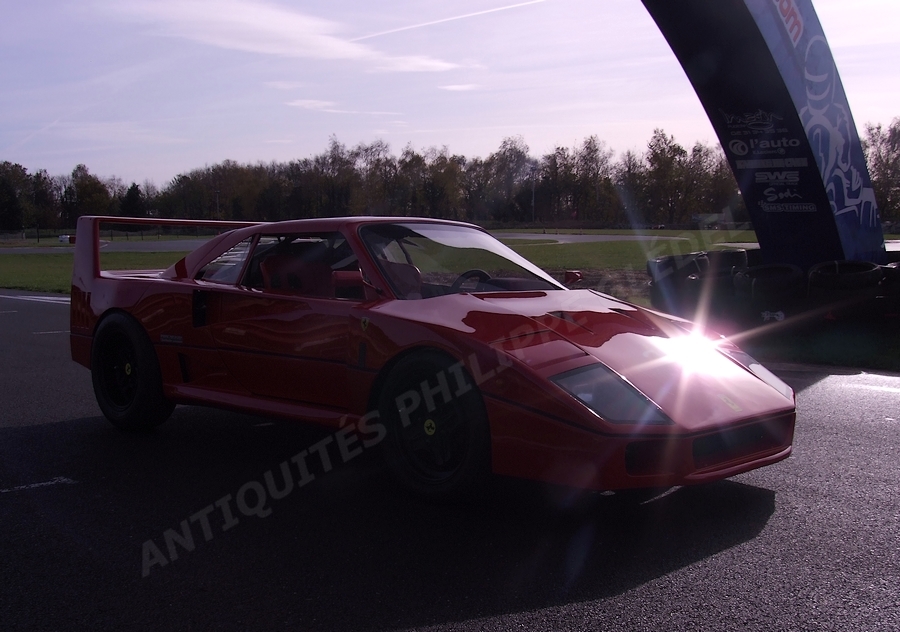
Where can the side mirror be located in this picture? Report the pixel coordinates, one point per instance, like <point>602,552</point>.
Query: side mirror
<point>572,277</point>
<point>352,285</point>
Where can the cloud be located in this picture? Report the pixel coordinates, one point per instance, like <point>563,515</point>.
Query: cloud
<point>329,107</point>
<point>116,133</point>
<point>462,87</point>
<point>258,26</point>
<point>284,85</point>
<point>452,19</point>
<point>312,104</point>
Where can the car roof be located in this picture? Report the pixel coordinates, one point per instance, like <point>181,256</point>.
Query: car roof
<point>194,260</point>
<point>335,223</point>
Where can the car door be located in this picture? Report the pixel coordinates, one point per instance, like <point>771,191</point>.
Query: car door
<point>282,331</point>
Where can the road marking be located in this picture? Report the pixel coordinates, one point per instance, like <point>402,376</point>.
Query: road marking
<point>58,300</point>
<point>59,480</point>
<point>41,333</point>
<point>9,311</point>
<point>867,387</point>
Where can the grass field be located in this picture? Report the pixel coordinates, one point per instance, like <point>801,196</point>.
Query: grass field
<point>52,241</point>
<point>52,272</point>
<point>607,255</point>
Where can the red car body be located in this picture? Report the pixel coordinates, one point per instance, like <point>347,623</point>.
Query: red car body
<point>327,355</point>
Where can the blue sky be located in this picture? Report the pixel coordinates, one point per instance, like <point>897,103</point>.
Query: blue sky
<point>147,89</point>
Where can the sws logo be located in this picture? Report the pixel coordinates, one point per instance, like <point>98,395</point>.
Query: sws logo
<point>783,178</point>
<point>790,15</point>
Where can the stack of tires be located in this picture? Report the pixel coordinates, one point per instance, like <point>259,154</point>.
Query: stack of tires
<point>890,288</point>
<point>846,288</point>
<point>668,276</point>
<point>769,293</point>
<point>686,284</point>
<point>720,284</point>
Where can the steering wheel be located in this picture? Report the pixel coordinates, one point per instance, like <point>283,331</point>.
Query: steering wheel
<point>474,273</point>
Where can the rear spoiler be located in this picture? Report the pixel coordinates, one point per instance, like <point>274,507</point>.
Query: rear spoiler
<point>86,266</point>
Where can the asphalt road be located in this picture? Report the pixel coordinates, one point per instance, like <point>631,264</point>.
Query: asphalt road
<point>812,543</point>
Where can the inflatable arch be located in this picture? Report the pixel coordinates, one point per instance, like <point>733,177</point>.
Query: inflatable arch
<point>767,80</point>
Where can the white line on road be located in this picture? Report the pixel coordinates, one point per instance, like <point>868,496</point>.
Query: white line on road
<point>58,300</point>
<point>9,311</point>
<point>868,387</point>
<point>41,333</point>
<point>59,480</point>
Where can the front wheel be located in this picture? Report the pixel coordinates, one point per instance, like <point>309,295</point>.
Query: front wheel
<point>438,443</point>
<point>126,377</point>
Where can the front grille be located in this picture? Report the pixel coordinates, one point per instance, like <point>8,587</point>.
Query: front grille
<point>651,458</point>
<point>767,435</point>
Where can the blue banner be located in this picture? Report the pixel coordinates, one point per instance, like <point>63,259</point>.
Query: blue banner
<point>767,80</point>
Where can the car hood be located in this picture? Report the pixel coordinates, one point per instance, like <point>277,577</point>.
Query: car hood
<point>684,373</point>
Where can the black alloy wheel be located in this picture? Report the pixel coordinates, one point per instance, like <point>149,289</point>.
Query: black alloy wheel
<point>126,376</point>
<point>438,442</point>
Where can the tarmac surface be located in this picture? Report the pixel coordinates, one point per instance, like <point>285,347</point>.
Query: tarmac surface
<point>812,543</point>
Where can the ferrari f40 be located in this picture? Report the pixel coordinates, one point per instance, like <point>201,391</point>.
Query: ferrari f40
<point>433,339</point>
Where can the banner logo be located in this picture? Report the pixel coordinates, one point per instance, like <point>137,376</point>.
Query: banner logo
<point>790,16</point>
<point>738,148</point>
<point>778,178</point>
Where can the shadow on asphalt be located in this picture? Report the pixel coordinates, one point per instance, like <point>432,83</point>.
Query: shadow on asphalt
<point>345,551</point>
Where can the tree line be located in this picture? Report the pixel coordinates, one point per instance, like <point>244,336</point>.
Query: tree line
<point>665,185</point>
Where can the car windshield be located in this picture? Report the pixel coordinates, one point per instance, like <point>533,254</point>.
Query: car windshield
<point>423,260</point>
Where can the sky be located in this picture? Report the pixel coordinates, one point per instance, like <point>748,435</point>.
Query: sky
<point>147,89</point>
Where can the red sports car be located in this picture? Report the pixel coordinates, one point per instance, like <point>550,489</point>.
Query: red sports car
<point>460,354</point>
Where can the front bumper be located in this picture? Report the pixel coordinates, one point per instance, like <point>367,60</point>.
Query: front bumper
<point>528,444</point>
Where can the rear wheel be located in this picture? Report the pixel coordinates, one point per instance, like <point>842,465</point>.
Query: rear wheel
<point>126,376</point>
<point>438,442</point>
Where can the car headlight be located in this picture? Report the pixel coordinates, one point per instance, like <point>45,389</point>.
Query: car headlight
<point>747,361</point>
<point>610,396</point>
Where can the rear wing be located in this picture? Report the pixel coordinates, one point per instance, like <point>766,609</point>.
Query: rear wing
<point>86,266</point>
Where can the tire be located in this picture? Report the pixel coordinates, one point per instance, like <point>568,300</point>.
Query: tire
<point>126,376</point>
<point>726,260</point>
<point>437,453</point>
<point>891,273</point>
<point>845,275</point>
<point>676,267</point>
<point>767,280</point>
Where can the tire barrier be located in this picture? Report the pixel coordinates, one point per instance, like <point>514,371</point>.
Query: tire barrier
<point>710,293</point>
<point>891,273</point>
<point>727,260</point>
<point>667,279</point>
<point>677,266</point>
<point>889,289</point>
<point>770,292</point>
<point>845,275</point>
<point>681,283</point>
<point>721,284</point>
<point>846,288</point>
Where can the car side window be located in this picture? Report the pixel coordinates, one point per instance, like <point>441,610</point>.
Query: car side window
<point>227,267</point>
<point>302,265</point>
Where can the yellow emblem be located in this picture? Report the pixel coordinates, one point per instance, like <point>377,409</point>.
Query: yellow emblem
<point>730,402</point>
<point>430,427</point>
